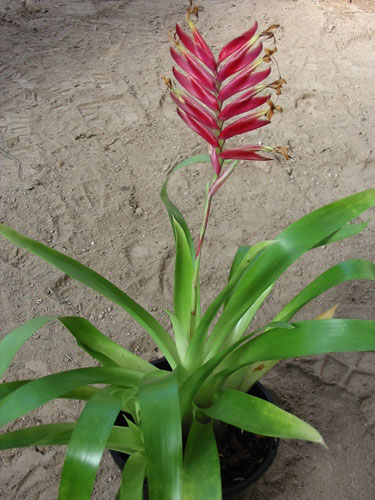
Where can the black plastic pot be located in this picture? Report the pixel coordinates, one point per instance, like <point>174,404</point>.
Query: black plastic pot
<point>243,488</point>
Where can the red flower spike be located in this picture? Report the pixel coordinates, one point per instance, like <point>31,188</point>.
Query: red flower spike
<point>214,160</point>
<point>238,43</point>
<point>198,128</point>
<point>201,93</point>
<point>192,67</point>
<point>195,110</point>
<point>245,103</point>
<point>244,153</point>
<point>243,125</point>
<point>194,48</point>
<point>242,82</point>
<point>203,108</point>
<point>235,64</point>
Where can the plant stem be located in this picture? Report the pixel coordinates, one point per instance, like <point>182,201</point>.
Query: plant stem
<point>211,189</point>
<point>206,214</point>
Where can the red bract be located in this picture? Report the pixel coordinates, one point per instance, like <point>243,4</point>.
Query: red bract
<point>241,126</point>
<point>215,160</point>
<point>244,153</point>
<point>203,108</point>
<point>195,110</point>
<point>191,66</point>
<point>238,43</point>
<point>197,90</point>
<point>243,81</point>
<point>245,103</point>
<point>240,61</point>
<point>200,41</point>
<point>199,128</point>
<point>195,48</point>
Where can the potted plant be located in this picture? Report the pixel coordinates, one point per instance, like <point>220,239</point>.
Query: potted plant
<point>177,414</point>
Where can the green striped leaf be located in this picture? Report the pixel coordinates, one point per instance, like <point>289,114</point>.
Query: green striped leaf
<point>244,322</point>
<point>126,439</point>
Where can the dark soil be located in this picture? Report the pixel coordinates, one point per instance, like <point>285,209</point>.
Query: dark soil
<point>244,457</point>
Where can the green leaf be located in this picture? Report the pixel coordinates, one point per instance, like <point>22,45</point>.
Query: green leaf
<point>238,258</point>
<point>181,340</point>
<point>244,256</point>
<point>197,344</point>
<point>84,453</point>
<point>120,439</point>
<point>91,339</point>
<point>172,210</point>
<point>306,338</point>
<point>83,393</point>
<point>40,435</point>
<point>293,242</point>
<point>202,480</point>
<point>244,322</point>
<point>346,231</point>
<point>11,343</point>
<point>125,439</point>
<point>161,427</point>
<point>193,383</point>
<point>191,161</point>
<point>88,337</point>
<point>30,396</point>
<point>345,271</point>
<point>258,416</point>
<point>95,281</point>
<point>175,215</point>
<point>183,281</point>
<point>133,478</point>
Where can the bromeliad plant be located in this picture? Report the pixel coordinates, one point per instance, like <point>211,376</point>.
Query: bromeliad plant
<point>215,355</point>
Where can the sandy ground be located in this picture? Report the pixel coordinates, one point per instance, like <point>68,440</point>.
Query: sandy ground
<point>87,138</point>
